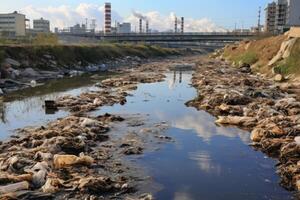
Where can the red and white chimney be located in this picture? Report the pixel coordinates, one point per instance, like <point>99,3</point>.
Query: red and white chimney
<point>107,17</point>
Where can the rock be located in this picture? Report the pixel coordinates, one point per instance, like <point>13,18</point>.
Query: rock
<point>278,78</point>
<point>29,72</point>
<point>12,62</point>
<point>1,92</point>
<point>62,161</point>
<point>24,185</point>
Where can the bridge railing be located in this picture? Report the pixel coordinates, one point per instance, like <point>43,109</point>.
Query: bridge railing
<point>242,34</point>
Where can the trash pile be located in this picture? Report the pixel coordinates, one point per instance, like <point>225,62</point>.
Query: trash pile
<point>112,91</point>
<point>237,97</point>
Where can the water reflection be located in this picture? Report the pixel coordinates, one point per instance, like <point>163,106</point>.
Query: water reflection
<point>205,162</point>
<point>26,107</point>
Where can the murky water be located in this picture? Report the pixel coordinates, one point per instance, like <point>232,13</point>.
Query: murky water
<point>205,162</point>
<point>25,108</point>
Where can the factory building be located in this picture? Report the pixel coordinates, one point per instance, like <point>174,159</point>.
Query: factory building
<point>13,24</point>
<point>41,25</point>
<point>124,28</point>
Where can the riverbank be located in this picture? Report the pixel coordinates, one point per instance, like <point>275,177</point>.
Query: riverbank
<point>78,156</point>
<point>85,154</point>
<point>271,111</point>
<point>275,57</point>
<point>29,65</point>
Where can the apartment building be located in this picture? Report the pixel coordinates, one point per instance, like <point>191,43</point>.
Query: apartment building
<point>13,24</point>
<point>282,15</point>
<point>270,17</point>
<point>41,25</point>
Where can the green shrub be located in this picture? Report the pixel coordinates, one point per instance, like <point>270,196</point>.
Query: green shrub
<point>247,57</point>
<point>45,39</point>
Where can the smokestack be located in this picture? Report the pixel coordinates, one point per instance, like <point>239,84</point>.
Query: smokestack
<point>147,26</point>
<point>141,25</point>
<point>176,23</point>
<point>182,25</point>
<point>107,16</point>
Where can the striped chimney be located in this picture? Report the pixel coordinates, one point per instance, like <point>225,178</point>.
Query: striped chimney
<point>107,16</point>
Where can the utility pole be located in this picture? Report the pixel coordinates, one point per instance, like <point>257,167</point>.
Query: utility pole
<point>258,24</point>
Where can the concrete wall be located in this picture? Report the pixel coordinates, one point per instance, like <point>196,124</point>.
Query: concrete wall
<point>294,13</point>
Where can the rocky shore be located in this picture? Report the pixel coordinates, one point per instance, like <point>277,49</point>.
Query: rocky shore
<point>271,111</point>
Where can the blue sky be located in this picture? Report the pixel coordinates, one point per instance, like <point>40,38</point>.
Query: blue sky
<point>223,13</point>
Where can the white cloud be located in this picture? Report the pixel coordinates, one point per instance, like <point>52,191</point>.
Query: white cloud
<point>66,16</point>
<point>164,23</point>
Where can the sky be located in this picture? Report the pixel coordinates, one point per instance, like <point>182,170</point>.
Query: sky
<point>200,15</point>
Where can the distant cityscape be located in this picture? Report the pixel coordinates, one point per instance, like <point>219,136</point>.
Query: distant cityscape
<point>280,16</point>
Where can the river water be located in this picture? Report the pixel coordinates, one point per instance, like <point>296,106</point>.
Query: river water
<point>205,162</point>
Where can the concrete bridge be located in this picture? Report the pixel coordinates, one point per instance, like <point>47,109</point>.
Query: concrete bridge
<point>200,40</point>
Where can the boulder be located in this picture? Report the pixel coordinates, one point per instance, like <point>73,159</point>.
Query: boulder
<point>278,78</point>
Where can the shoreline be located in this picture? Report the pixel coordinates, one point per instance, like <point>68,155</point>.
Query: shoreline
<point>270,111</point>
<point>78,155</point>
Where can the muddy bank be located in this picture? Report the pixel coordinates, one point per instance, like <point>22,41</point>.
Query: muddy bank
<point>28,66</point>
<point>271,112</point>
<point>79,156</point>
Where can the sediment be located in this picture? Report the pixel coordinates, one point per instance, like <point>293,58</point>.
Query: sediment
<point>270,111</point>
<point>78,157</point>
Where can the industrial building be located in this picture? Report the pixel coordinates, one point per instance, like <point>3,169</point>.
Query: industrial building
<point>41,25</point>
<point>13,24</point>
<point>124,28</point>
<point>282,15</point>
<point>78,29</point>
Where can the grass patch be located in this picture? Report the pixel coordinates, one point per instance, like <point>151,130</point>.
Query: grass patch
<point>248,57</point>
<point>292,64</point>
<point>72,55</point>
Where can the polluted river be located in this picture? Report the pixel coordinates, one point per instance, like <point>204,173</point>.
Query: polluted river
<point>192,159</point>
